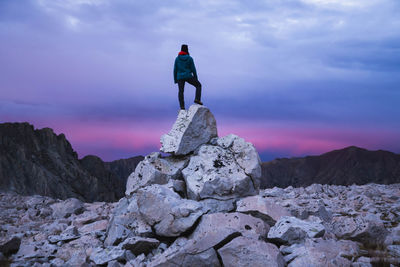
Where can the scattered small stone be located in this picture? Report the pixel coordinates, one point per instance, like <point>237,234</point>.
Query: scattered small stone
<point>102,256</point>
<point>138,245</point>
<point>262,208</point>
<point>68,234</point>
<point>244,251</point>
<point>290,230</point>
<point>10,247</point>
<point>66,208</point>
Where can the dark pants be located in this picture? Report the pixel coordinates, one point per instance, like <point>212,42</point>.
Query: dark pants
<point>181,84</point>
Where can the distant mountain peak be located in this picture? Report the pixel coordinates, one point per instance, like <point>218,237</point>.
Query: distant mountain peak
<point>38,161</point>
<point>350,165</point>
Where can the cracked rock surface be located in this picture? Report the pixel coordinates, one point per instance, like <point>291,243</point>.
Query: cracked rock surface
<point>215,173</point>
<point>120,233</point>
<point>191,129</point>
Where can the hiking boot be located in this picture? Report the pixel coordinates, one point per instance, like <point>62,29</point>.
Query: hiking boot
<point>198,102</point>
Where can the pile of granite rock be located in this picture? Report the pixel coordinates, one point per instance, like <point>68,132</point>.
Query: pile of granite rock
<point>199,204</point>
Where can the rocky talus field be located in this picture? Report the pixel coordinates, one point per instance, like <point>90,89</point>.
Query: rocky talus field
<point>202,206</point>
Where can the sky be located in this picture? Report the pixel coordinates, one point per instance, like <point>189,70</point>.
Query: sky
<point>294,77</point>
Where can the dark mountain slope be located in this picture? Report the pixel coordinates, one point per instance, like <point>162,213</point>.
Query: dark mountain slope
<point>41,162</point>
<point>351,165</point>
<point>123,167</point>
<point>117,171</point>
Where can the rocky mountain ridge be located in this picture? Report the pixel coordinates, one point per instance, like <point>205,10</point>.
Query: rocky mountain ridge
<point>351,165</point>
<point>41,162</point>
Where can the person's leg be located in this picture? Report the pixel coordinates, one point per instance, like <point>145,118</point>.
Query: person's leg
<point>196,84</point>
<point>181,86</point>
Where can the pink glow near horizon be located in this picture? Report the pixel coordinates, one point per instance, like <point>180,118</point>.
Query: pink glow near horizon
<point>87,138</point>
<point>135,138</point>
<point>300,141</point>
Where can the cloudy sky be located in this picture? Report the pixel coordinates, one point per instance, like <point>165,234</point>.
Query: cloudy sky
<point>294,77</point>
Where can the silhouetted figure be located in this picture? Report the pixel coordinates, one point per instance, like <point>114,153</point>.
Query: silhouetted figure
<point>185,71</point>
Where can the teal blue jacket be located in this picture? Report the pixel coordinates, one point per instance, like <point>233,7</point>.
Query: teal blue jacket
<point>184,68</point>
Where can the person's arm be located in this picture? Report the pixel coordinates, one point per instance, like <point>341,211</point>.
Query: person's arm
<point>193,68</point>
<point>175,72</point>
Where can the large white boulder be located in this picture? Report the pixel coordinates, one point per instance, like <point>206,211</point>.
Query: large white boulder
<point>191,129</point>
<point>126,222</point>
<point>215,173</point>
<point>214,231</point>
<point>217,228</point>
<point>166,211</point>
<point>245,154</point>
<point>154,169</point>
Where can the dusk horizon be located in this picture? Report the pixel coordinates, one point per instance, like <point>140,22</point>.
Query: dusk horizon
<point>109,155</point>
<point>294,78</point>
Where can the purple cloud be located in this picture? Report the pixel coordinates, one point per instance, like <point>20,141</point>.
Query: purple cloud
<point>322,64</point>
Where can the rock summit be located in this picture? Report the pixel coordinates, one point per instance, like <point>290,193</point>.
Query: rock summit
<point>191,129</point>
<point>201,165</point>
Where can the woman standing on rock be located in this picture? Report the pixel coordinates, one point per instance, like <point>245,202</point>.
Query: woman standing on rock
<point>185,71</point>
